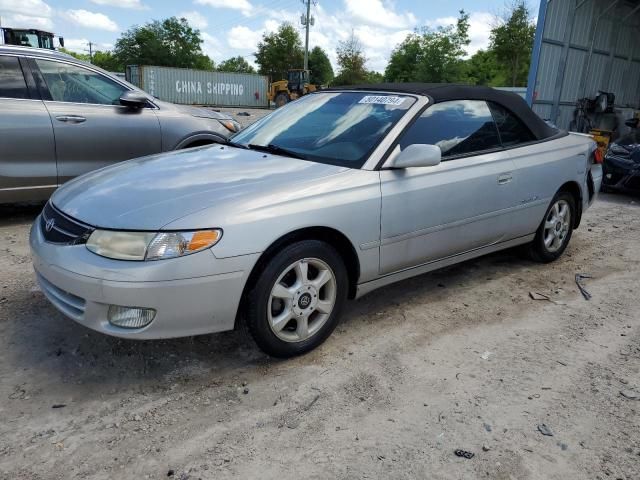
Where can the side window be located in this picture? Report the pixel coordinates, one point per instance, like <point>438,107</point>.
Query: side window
<point>72,83</point>
<point>512,130</point>
<point>458,127</point>
<point>12,84</point>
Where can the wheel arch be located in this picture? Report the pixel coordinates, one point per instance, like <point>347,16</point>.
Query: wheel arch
<point>197,140</point>
<point>331,236</point>
<point>574,189</point>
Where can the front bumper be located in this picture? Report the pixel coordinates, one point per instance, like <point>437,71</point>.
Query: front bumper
<point>82,285</point>
<point>621,174</point>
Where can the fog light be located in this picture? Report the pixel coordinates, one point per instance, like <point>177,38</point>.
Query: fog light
<point>130,317</point>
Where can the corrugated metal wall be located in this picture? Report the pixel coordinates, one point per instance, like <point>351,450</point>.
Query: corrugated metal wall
<point>583,46</point>
<point>199,87</point>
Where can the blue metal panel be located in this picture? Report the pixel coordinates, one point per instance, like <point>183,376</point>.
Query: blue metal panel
<point>535,57</point>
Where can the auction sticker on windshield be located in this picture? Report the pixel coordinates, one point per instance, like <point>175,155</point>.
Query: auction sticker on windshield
<point>382,100</point>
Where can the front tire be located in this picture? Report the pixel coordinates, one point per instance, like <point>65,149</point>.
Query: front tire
<point>554,233</point>
<point>297,300</point>
<point>282,99</point>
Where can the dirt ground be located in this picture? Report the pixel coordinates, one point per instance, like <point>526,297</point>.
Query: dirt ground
<point>457,359</point>
<point>240,114</point>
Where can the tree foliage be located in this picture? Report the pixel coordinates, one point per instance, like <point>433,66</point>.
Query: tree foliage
<point>235,64</point>
<point>351,61</point>
<point>512,43</point>
<point>430,55</point>
<point>483,69</point>
<point>170,43</point>
<point>320,66</point>
<point>279,52</point>
<point>103,59</point>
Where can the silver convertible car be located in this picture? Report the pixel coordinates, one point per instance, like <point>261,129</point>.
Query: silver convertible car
<point>327,198</point>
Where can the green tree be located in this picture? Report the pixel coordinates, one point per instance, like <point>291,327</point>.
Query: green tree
<point>431,55</point>
<point>170,43</point>
<point>404,60</point>
<point>512,43</point>
<point>108,61</point>
<point>320,66</point>
<point>103,59</point>
<point>483,69</point>
<point>352,62</point>
<point>236,64</point>
<point>374,77</point>
<point>279,52</point>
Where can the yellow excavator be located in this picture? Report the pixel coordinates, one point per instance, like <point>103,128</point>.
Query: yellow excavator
<point>297,84</point>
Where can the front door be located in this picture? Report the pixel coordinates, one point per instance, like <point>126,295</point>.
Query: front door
<point>91,128</point>
<point>429,213</point>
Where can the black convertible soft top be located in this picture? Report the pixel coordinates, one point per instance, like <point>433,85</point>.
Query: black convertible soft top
<point>441,92</point>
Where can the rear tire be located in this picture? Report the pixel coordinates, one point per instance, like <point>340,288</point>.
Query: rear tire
<point>297,300</point>
<point>554,233</point>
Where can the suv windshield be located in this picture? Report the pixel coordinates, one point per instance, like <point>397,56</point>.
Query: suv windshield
<point>339,128</point>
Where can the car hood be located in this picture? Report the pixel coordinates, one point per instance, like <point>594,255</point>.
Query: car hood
<point>151,192</point>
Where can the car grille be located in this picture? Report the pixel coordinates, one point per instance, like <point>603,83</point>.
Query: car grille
<point>62,229</point>
<point>69,304</point>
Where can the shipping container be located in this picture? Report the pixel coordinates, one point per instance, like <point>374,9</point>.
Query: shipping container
<point>582,47</point>
<point>201,87</point>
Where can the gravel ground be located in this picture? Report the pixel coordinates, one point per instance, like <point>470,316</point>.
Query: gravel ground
<point>245,120</point>
<point>462,358</point>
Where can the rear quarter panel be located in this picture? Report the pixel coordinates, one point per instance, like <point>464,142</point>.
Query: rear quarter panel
<point>542,169</point>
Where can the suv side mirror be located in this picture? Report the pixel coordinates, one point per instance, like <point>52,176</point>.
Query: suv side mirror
<point>133,99</point>
<point>418,155</point>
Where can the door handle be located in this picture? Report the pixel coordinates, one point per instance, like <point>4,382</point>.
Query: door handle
<point>71,118</point>
<point>504,178</point>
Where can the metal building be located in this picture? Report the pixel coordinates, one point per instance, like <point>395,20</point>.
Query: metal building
<point>581,47</point>
<point>200,87</point>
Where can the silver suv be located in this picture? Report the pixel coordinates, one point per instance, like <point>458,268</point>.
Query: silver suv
<point>61,117</point>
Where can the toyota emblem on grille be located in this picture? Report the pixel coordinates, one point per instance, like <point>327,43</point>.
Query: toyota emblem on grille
<point>50,224</point>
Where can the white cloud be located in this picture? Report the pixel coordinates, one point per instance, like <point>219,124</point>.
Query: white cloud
<point>243,5</point>
<point>133,4</point>
<point>211,46</point>
<point>243,38</point>
<point>78,45</point>
<point>377,12</point>
<point>81,45</point>
<point>195,19</point>
<point>89,19</point>
<point>26,14</point>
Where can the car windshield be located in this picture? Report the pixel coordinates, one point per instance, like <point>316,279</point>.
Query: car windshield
<point>338,128</point>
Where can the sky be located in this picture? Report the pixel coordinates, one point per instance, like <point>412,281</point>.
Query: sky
<point>234,27</point>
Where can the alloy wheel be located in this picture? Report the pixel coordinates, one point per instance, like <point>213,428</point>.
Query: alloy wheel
<point>302,299</point>
<point>557,225</point>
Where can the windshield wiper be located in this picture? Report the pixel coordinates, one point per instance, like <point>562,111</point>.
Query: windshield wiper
<point>277,150</point>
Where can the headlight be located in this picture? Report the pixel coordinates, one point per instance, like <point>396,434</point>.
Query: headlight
<point>231,125</point>
<point>149,245</point>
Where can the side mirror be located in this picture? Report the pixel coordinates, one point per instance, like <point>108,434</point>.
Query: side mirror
<point>133,99</point>
<point>632,122</point>
<point>61,41</point>
<point>418,155</point>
